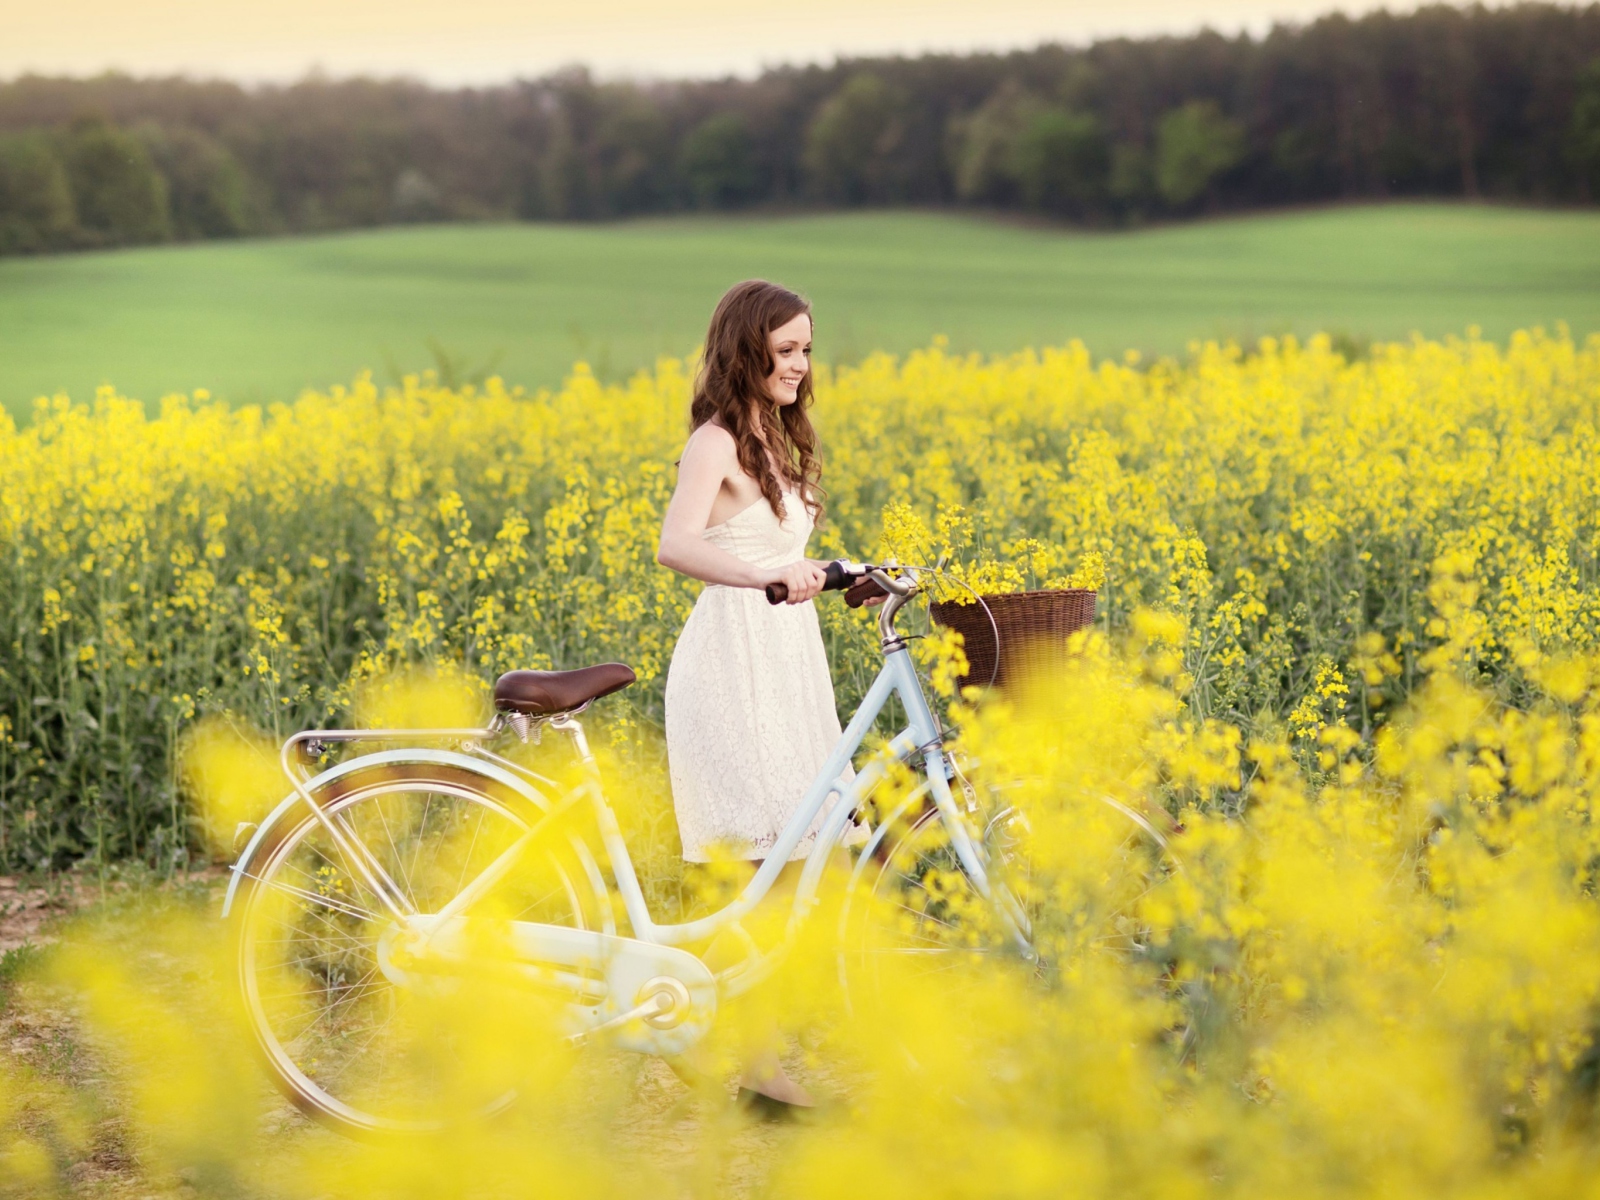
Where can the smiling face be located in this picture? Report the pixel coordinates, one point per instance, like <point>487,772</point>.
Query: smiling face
<point>790,347</point>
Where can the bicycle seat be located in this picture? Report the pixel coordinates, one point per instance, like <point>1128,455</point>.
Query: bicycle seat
<point>545,693</point>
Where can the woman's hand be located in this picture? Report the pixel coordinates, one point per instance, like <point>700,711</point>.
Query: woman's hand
<point>804,579</point>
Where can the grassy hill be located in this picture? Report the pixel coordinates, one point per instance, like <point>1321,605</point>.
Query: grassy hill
<point>258,320</point>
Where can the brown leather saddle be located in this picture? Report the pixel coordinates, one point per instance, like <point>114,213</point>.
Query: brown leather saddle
<point>546,693</point>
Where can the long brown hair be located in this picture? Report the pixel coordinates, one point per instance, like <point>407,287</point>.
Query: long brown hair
<point>731,388</point>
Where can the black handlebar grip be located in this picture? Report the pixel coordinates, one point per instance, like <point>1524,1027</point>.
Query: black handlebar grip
<point>862,590</point>
<point>836,581</point>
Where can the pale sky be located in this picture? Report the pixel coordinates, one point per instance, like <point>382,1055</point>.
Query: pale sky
<point>487,41</point>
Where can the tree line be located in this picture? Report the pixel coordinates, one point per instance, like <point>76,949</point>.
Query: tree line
<point>1501,103</point>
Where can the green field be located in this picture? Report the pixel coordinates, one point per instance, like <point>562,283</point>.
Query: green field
<point>258,320</point>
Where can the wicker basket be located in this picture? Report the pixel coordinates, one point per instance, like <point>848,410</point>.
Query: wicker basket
<point>1034,629</point>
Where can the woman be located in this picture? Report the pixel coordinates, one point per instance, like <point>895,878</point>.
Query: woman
<point>750,711</point>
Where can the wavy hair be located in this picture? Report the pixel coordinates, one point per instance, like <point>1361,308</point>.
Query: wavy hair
<point>776,443</point>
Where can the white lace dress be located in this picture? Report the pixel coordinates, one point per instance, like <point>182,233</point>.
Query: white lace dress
<point>750,710</point>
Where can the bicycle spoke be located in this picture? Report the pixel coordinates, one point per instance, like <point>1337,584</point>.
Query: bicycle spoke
<point>924,915</point>
<point>380,878</point>
<point>422,833</point>
<point>313,898</point>
<point>924,951</point>
<point>328,1014</point>
<point>941,963</point>
<point>339,868</point>
<point>395,850</point>
<point>308,1014</point>
<point>465,862</point>
<point>321,987</point>
<point>349,939</point>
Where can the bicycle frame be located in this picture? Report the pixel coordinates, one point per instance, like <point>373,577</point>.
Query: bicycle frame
<point>921,736</point>
<point>897,677</point>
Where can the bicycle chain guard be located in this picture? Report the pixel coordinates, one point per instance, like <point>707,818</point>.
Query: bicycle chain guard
<point>652,999</point>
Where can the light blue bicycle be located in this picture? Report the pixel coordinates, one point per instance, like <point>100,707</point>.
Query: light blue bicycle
<point>439,862</point>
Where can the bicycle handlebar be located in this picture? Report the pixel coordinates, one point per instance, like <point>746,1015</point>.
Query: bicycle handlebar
<point>863,581</point>
<point>838,578</point>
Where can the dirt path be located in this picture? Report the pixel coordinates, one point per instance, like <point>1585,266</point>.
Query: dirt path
<point>26,911</point>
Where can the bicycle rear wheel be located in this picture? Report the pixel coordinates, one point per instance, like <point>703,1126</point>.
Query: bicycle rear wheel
<point>349,1036</point>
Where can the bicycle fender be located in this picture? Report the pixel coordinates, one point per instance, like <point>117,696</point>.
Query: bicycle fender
<point>384,758</point>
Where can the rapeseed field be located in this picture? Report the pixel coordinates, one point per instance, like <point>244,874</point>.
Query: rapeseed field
<point>1290,508</point>
<point>1346,667</point>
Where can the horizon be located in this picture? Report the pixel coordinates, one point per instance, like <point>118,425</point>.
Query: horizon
<point>485,43</point>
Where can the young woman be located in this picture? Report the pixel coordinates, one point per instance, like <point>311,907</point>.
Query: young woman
<point>750,709</point>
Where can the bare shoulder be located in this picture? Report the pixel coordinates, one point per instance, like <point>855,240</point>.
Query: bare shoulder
<point>714,438</point>
<point>711,446</point>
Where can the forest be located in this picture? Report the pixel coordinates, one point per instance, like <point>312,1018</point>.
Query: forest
<point>1500,103</point>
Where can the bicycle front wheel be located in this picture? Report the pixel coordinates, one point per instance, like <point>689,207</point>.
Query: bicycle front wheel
<point>352,1040</point>
<point>915,911</point>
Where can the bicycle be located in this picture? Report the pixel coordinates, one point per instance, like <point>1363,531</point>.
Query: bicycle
<point>403,871</point>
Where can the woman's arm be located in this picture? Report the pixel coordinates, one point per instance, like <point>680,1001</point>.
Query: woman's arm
<point>708,460</point>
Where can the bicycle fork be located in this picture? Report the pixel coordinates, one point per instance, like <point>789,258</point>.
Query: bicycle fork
<point>923,733</point>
